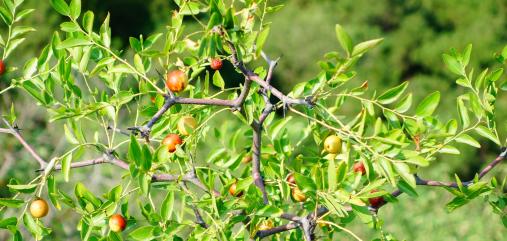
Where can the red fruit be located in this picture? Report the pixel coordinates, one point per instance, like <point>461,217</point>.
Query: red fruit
<point>2,67</point>
<point>376,201</point>
<point>234,192</point>
<point>117,223</point>
<point>176,80</point>
<point>216,64</point>
<point>359,168</point>
<point>291,179</point>
<point>171,141</point>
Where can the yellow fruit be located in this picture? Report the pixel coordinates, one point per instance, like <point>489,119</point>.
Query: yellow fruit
<point>39,208</point>
<point>333,144</point>
<point>186,125</point>
<point>298,195</point>
<point>266,224</point>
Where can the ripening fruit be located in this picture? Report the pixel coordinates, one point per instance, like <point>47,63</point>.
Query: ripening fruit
<point>376,201</point>
<point>186,125</point>
<point>291,180</point>
<point>117,223</point>
<point>234,192</point>
<point>39,208</point>
<point>247,159</point>
<point>176,80</point>
<point>172,141</point>
<point>298,195</point>
<point>216,64</point>
<point>2,67</point>
<point>266,224</point>
<point>333,144</point>
<point>359,168</point>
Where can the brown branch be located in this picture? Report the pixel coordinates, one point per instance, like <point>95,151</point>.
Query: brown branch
<point>190,176</point>
<point>15,132</point>
<point>307,224</point>
<point>423,182</point>
<point>257,126</point>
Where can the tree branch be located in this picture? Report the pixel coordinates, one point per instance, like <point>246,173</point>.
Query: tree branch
<point>190,176</point>
<point>15,132</point>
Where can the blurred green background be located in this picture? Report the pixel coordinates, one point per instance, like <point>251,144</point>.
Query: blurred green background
<point>416,33</point>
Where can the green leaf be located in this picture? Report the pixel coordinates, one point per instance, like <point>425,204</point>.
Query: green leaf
<point>487,133</point>
<point>453,65</point>
<point>145,233</point>
<point>261,40</point>
<point>66,162</point>
<point>134,153</point>
<point>5,223</point>
<point>344,39</point>
<point>30,68</point>
<point>23,188</point>
<point>13,203</point>
<point>138,63</point>
<point>88,21</point>
<point>365,46</point>
<point>331,175</point>
<point>466,139</point>
<point>449,150</point>
<point>167,206</point>
<point>404,104</point>
<point>428,105</point>
<point>218,80</point>
<point>60,6</point>
<point>305,183</point>
<point>32,226</point>
<point>406,188</point>
<point>270,211</point>
<point>74,42</point>
<point>463,113</point>
<point>75,8</point>
<point>404,171</point>
<point>392,94</point>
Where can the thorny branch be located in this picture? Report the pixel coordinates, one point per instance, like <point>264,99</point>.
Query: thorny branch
<point>15,132</point>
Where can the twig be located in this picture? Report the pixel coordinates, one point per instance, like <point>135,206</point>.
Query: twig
<point>14,131</point>
<point>190,176</point>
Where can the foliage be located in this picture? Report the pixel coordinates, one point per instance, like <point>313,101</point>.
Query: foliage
<point>112,108</point>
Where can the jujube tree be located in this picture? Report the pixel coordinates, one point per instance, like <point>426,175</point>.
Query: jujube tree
<point>149,109</point>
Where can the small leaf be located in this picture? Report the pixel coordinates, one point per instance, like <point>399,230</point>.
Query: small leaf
<point>487,133</point>
<point>167,206</point>
<point>261,39</point>
<point>453,65</point>
<point>449,150</point>
<point>365,46</point>
<point>392,94</point>
<point>270,211</point>
<point>23,188</point>
<point>66,162</point>
<point>428,105</point>
<point>60,6</point>
<point>88,21</point>
<point>13,203</point>
<point>143,233</point>
<point>344,39</point>
<point>74,42</point>
<point>75,8</point>
<point>404,104</point>
<point>466,139</point>
<point>218,80</point>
